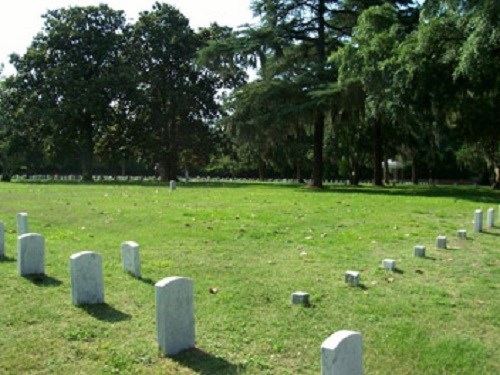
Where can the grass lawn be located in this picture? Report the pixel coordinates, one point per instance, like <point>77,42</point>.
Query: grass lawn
<point>255,243</point>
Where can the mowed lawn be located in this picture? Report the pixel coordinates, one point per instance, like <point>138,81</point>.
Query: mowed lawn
<point>256,244</point>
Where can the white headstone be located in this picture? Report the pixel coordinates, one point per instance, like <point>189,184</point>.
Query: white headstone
<point>173,185</point>
<point>300,298</point>
<point>131,259</point>
<point>87,286</point>
<point>478,221</point>
<point>22,223</point>
<point>2,239</point>
<point>490,218</point>
<point>352,277</point>
<point>441,242</point>
<point>389,264</point>
<point>31,254</point>
<point>175,314</point>
<point>342,354</point>
<point>419,251</point>
<point>462,233</point>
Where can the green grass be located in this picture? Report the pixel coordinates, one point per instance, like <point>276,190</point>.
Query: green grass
<point>255,243</point>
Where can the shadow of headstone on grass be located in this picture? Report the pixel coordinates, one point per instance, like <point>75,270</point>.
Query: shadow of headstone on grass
<point>205,363</point>
<point>43,280</point>
<point>105,312</point>
<point>6,259</point>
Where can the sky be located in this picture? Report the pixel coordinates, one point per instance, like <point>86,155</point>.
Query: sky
<point>20,20</point>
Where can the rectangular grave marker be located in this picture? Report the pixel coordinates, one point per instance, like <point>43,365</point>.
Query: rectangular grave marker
<point>300,298</point>
<point>352,278</point>
<point>22,223</point>
<point>131,260</point>
<point>175,314</point>
<point>30,254</point>
<point>462,233</point>
<point>173,185</point>
<point>478,221</point>
<point>87,286</point>
<point>490,218</point>
<point>419,251</point>
<point>389,264</point>
<point>441,242</point>
<point>342,354</point>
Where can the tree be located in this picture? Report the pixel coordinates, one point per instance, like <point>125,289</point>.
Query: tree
<point>174,99</point>
<point>72,66</point>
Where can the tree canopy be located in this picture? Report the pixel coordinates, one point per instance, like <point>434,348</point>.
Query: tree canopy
<point>338,87</point>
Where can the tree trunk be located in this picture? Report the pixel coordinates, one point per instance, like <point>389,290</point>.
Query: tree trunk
<point>162,170</point>
<point>377,154</point>
<point>414,179</point>
<point>319,122</point>
<point>173,159</point>
<point>6,177</point>
<point>485,176</point>
<point>87,151</point>
<point>298,166</point>
<point>261,167</point>
<point>386,170</point>
<point>123,165</point>
<point>319,131</point>
<point>496,184</point>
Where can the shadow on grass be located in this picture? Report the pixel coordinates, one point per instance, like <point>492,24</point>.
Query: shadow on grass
<point>5,259</point>
<point>105,312</point>
<point>146,281</point>
<point>361,286</point>
<point>43,281</point>
<point>398,270</point>
<point>205,363</point>
<point>429,258</point>
<point>491,234</point>
<point>482,195</point>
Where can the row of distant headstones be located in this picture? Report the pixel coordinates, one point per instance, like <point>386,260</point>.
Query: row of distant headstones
<point>48,177</point>
<point>341,353</point>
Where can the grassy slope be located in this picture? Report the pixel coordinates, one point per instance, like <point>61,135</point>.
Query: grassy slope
<point>437,315</point>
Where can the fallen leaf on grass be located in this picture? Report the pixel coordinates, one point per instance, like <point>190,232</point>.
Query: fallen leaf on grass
<point>303,254</point>
<point>389,279</point>
<point>323,235</point>
<point>213,290</point>
<point>480,302</point>
<point>420,272</point>
<point>308,238</point>
<point>374,283</point>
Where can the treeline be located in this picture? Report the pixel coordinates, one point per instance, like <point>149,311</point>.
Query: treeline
<point>340,87</point>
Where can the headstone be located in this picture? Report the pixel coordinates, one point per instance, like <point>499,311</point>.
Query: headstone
<point>389,264</point>
<point>352,277</point>
<point>461,233</point>
<point>300,298</point>
<point>86,278</point>
<point>342,354</point>
<point>31,254</point>
<point>419,251</point>
<point>490,218</point>
<point>2,239</point>
<point>478,221</point>
<point>22,223</point>
<point>173,185</point>
<point>175,314</point>
<point>131,259</point>
<point>441,242</point>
